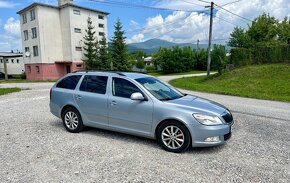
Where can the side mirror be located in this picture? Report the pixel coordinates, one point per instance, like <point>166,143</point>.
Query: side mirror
<point>137,96</point>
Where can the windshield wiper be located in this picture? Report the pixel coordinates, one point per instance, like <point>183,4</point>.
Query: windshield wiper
<point>165,99</point>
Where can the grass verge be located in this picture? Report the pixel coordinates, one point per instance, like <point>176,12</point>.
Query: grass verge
<point>23,81</point>
<point>174,74</point>
<point>4,91</point>
<point>271,81</point>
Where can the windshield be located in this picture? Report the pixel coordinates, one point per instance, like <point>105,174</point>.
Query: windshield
<point>159,89</point>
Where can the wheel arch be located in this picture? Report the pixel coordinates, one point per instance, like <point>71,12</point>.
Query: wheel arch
<point>170,120</point>
<point>66,107</point>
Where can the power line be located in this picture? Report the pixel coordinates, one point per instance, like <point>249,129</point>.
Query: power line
<point>161,25</point>
<point>233,13</point>
<point>125,4</point>
<point>192,3</point>
<point>226,21</point>
<point>231,3</point>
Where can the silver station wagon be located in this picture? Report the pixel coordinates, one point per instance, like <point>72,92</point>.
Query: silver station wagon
<point>140,105</point>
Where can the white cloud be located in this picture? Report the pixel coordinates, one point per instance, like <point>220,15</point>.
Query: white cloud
<point>136,38</point>
<point>11,38</point>
<point>12,27</point>
<point>7,4</point>
<point>188,27</point>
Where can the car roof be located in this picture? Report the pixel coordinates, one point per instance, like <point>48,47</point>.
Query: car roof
<point>132,75</point>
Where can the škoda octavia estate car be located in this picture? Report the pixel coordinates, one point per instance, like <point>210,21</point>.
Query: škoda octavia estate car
<point>140,105</point>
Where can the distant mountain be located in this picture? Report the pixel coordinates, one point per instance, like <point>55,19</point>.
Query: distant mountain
<point>153,45</point>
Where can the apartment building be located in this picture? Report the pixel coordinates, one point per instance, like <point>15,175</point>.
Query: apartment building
<point>52,37</point>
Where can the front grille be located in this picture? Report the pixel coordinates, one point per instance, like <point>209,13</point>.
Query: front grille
<point>227,136</point>
<point>227,117</point>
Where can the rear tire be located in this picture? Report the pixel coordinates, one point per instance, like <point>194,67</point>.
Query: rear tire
<point>72,120</point>
<point>173,136</point>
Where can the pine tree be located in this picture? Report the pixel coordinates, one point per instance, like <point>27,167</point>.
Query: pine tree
<point>90,53</point>
<point>97,65</point>
<point>119,49</point>
<point>104,54</point>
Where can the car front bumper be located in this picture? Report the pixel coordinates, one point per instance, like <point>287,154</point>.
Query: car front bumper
<point>200,134</point>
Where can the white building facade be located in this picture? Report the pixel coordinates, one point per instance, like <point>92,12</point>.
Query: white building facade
<point>53,36</point>
<point>14,63</point>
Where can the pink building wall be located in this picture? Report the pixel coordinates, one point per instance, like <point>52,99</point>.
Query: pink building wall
<point>50,71</point>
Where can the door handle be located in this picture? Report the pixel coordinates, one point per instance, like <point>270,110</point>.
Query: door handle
<point>113,103</point>
<point>78,97</point>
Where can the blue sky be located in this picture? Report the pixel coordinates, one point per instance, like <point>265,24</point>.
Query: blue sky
<point>144,23</point>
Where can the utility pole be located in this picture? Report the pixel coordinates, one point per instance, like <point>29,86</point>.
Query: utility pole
<point>5,68</point>
<point>197,45</point>
<point>209,40</point>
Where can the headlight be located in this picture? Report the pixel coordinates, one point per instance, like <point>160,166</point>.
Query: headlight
<point>207,120</point>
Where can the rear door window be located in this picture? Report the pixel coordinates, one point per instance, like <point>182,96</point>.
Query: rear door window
<point>94,84</point>
<point>69,82</point>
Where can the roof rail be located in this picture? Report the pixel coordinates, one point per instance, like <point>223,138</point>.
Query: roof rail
<point>116,72</point>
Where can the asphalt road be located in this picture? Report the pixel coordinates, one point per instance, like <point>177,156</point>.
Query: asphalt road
<point>35,147</point>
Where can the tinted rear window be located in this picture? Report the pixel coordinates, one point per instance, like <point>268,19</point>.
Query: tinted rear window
<point>94,84</point>
<point>69,82</point>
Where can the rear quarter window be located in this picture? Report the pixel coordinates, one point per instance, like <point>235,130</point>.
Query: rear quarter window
<point>69,82</point>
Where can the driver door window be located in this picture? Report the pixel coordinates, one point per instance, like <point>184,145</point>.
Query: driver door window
<point>123,88</point>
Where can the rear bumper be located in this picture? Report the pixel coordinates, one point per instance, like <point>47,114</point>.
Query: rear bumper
<point>201,132</point>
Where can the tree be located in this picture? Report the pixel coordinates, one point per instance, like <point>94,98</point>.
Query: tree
<point>284,30</point>
<point>104,54</point>
<point>218,55</point>
<point>119,49</point>
<point>140,64</point>
<point>263,30</point>
<point>239,38</point>
<point>90,50</point>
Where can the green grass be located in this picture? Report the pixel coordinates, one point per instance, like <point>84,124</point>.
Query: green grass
<point>271,81</point>
<point>22,81</point>
<point>174,74</point>
<point>4,91</point>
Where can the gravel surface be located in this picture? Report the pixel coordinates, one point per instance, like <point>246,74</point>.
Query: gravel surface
<point>35,147</point>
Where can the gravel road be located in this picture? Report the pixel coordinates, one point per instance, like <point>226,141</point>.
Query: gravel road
<point>36,148</point>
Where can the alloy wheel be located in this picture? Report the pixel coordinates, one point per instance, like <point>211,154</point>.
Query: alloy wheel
<point>172,137</point>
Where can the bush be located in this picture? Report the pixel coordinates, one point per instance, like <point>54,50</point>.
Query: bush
<point>150,68</point>
<point>271,54</point>
<point>241,57</point>
<point>175,60</point>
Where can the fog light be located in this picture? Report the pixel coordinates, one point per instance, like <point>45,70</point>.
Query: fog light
<point>212,139</point>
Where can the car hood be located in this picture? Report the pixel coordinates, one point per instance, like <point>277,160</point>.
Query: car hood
<point>198,104</point>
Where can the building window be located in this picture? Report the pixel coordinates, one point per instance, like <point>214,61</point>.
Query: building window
<point>26,49</point>
<point>35,51</point>
<point>37,69</point>
<point>12,60</point>
<point>101,17</point>
<point>7,61</point>
<point>29,69</point>
<point>24,18</point>
<point>77,30</point>
<point>17,61</point>
<point>25,35</point>
<point>78,48</point>
<point>32,14</point>
<point>1,60</point>
<point>34,33</point>
<point>101,25</point>
<point>79,65</point>
<point>101,33</point>
<point>77,12</point>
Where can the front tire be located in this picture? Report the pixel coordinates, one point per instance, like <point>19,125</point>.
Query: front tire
<point>173,136</point>
<point>72,120</point>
